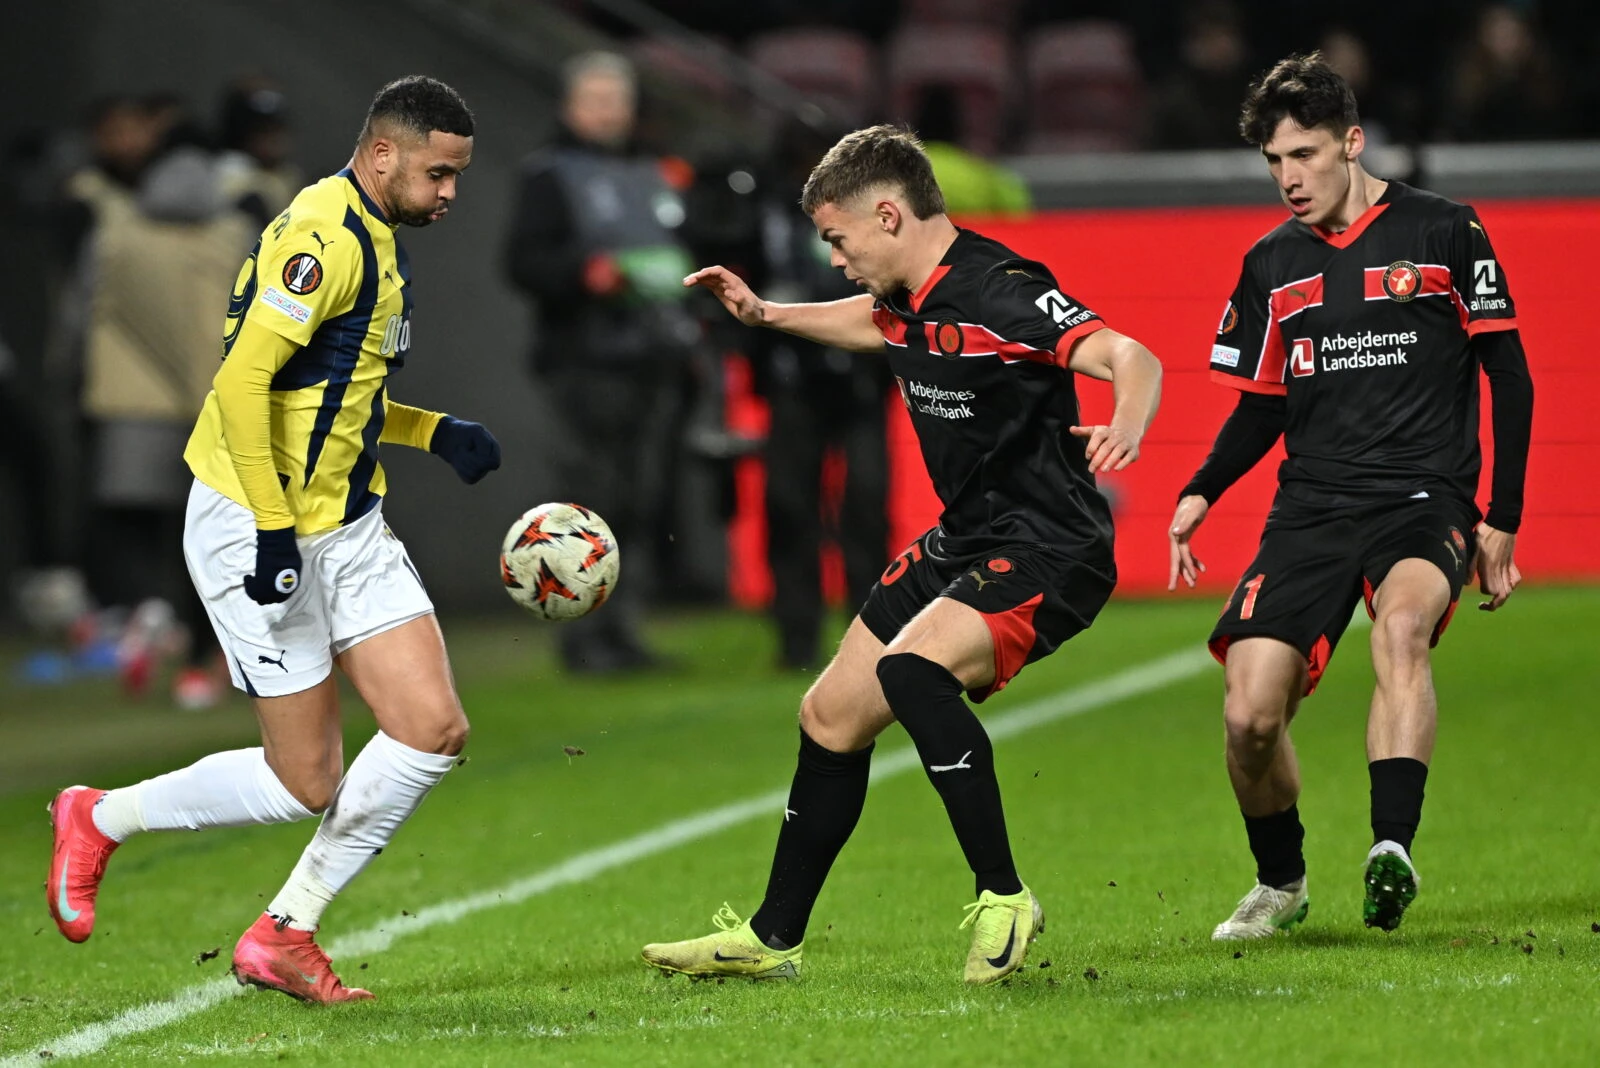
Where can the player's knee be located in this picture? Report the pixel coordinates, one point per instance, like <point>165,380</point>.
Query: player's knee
<point>454,737</point>
<point>1254,722</point>
<point>314,791</point>
<point>814,714</point>
<point>448,736</point>
<point>828,722</point>
<point>1402,634</point>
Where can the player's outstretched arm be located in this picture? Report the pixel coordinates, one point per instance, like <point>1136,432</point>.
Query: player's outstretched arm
<point>844,324</point>
<point>408,426</point>
<point>469,448</point>
<point>1135,377</point>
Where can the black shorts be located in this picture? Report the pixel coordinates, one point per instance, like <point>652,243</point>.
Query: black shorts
<point>1315,564</point>
<point>1032,597</point>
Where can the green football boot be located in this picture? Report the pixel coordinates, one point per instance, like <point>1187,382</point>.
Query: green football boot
<point>1002,930</point>
<point>1392,883</point>
<point>733,951</point>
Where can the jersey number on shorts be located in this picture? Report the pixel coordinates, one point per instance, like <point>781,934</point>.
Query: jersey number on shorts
<point>1251,588</point>
<point>901,563</point>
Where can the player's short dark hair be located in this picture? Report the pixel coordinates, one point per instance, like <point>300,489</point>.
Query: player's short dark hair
<point>419,105</point>
<point>1303,88</point>
<point>877,155</point>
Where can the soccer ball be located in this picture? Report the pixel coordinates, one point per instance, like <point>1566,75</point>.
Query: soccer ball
<point>559,561</point>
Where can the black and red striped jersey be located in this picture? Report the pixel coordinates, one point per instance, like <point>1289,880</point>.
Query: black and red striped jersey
<point>1366,331</point>
<point>980,353</point>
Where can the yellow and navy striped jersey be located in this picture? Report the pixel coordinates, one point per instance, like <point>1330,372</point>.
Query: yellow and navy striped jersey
<point>329,276</point>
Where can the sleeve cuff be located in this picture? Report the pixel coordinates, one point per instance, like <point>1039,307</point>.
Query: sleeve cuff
<point>1073,336</point>
<point>1506,524</point>
<point>1489,326</point>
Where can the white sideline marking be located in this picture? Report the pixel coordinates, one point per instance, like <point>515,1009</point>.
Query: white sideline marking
<point>1141,679</point>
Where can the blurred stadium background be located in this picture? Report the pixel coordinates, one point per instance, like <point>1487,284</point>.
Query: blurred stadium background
<point>1116,116</point>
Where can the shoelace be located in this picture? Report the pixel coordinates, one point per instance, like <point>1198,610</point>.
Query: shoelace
<point>91,866</point>
<point>972,912</point>
<point>311,960</point>
<point>726,919</point>
<point>1257,903</point>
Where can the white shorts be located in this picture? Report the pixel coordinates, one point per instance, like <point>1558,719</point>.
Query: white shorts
<point>355,582</point>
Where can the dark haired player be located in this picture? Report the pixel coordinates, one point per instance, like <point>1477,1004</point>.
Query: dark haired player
<point>288,549</point>
<point>982,343</point>
<point>1356,333</point>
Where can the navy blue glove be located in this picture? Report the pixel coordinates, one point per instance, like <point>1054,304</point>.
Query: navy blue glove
<point>467,447</point>
<point>277,567</point>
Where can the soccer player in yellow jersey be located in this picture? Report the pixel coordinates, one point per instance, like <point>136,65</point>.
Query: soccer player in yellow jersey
<point>287,546</point>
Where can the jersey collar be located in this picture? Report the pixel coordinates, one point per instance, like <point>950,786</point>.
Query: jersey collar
<point>1347,237</point>
<point>366,201</point>
<point>915,300</point>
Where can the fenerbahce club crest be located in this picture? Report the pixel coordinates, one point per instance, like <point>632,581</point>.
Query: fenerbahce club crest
<point>1402,280</point>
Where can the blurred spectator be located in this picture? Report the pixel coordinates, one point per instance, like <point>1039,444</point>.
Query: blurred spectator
<point>1505,85</point>
<point>593,244</point>
<point>972,185</point>
<point>254,139</point>
<point>1197,104</point>
<point>157,270</point>
<point>24,454</point>
<point>1347,54</point>
<point>824,402</point>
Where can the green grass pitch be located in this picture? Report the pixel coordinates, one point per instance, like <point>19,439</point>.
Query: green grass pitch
<point>504,923</point>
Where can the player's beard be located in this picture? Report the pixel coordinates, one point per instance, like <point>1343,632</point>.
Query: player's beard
<point>403,212</point>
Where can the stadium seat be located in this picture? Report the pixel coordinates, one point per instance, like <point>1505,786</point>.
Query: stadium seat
<point>998,13</point>
<point>972,61</point>
<point>681,62</point>
<point>1084,87</point>
<point>835,68</point>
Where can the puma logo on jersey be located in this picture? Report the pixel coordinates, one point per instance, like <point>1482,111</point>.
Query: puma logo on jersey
<point>321,243</point>
<point>979,579</point>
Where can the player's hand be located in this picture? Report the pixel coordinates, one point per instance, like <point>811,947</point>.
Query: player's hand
<point>1109,448</point>
<point>277,573</point>
<point>729,288</point>
<point>467,447</point>
<point>1497,572</point>
<point>1185,521</point>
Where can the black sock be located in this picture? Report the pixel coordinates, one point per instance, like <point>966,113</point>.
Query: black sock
<point>824,804</point>
<point>959,760</point>
<point>1397,799</point>
<point>1275,842</point>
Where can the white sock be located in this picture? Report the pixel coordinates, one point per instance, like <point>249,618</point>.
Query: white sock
<point>385,784</point>
<point>232,789</point>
